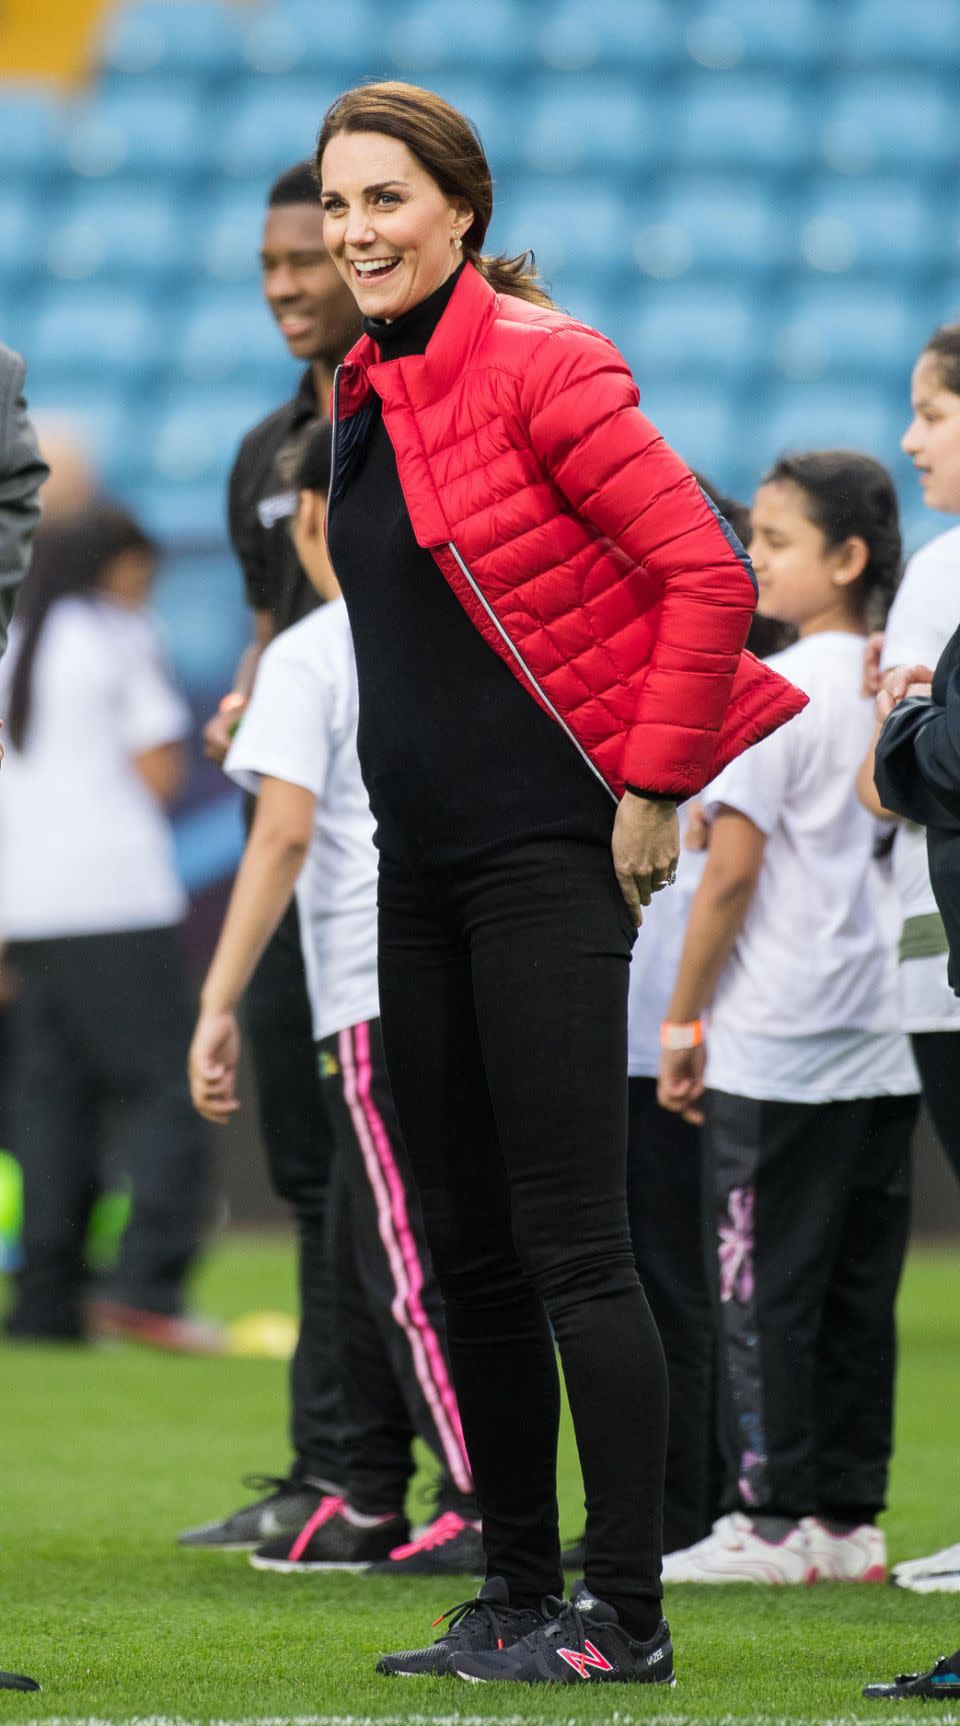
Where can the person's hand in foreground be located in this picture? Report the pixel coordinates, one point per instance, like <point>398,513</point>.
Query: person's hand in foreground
<point>902,681</point>
<point>212,1066</point>
<point>646,845</point>
<point>872,653</point>
<point>680,1083</point>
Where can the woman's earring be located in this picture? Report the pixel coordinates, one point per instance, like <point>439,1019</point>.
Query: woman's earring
<point>458,242</point>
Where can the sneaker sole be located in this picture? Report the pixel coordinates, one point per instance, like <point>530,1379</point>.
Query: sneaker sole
<point>219,1545</point>
<point>293,1567</point>
<point>559,1683</point>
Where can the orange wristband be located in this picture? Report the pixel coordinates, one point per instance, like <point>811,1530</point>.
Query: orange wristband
<point>689,1036</point>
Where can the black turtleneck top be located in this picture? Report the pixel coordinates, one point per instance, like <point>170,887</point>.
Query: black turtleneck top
<point>458,759</point>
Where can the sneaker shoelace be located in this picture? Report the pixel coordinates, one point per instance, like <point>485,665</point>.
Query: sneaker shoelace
<point>461,1619</point>
<point>326,1510</point>
<point>446,1528</point>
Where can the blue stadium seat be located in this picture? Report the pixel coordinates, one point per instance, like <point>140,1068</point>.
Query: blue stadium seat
<point>270,124</point>
<point>602,122</point>
<point>424,35</point>
<point>742,120</point>
<point>101,420</point>
<point>730,222</point>
<point>789,35</point>
<point>228,229</point>
<point>550,217</point>
<point>840,415</point>
<point>890,120</point>
<point>887,224</point>
<point>700,422</point>
<point>640,33</point>
<point>84,331</point>
<point>925,32</point>
<point>31,133</point>
<point>229,332</point>
<point>851,325</point>
<point>492,104</point>
<point>298,35</point>
<point>23,228</point>
<point>153,36</point>
<point>129,228</point>
<point>153,126</point>
<point>694,329</point>
<point>178,513</point>
<point>198,432</point>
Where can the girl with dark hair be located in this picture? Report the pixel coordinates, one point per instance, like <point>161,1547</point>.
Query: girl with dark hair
<point>810,1089</point>
<point>548,620</point>
<point>89,905</point>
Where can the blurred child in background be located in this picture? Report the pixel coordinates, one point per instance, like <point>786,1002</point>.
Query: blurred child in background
<point>811,1099</point>
<point>90,904</point>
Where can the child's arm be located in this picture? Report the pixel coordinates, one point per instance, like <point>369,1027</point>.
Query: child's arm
<point>278,843</point>
<point>719,907</point>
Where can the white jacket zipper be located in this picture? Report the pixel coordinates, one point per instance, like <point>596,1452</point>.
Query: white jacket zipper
<point>528,674</point>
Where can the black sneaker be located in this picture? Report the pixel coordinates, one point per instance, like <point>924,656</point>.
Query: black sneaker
<point>448,1546</point>
<point>581,1643</point>
<point>574,1556</point>
<point>489,1621</point>
<point>941,1683</point>
<point>287,1506</point>
<point>12,1681</point>
<point>328,1540</point>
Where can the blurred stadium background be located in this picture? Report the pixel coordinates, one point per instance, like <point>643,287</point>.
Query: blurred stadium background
<point>758,199</point>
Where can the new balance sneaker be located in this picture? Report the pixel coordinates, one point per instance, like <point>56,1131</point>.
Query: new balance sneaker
<point>13,1681</point>
<point>448,1546</point>
<point>735,1552</point>
<point>940,1684</point>
<point>938,1574</point>
<point>859,1555</point>
<point>333,1538</point>
<point>582,1642</point>
<point>285,1508</point>
<point>486,1622</point>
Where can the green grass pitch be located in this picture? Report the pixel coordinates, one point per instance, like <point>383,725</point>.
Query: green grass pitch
<point>106,1454</point>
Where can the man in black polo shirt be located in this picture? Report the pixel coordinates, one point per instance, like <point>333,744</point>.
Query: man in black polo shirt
<point>318,319</point>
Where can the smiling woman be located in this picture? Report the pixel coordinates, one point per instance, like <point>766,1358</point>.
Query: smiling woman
<point>548,620</point>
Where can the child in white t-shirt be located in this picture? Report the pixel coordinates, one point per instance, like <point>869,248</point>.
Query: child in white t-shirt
<point>810,1099</point>
<point>313,834</point>
<point>90,905</point>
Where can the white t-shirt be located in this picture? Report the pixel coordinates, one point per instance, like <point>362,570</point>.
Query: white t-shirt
<point>656,956</point>
<point>85,848</point>
<point>301,726</point>
<point>806,1007</point>
<point>923,617</point>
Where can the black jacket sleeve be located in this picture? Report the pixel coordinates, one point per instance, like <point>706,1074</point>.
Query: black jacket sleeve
<point>246,533</point>
<point>918,754</point>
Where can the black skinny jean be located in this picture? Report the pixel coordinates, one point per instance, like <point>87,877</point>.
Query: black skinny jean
<point>503,991</point>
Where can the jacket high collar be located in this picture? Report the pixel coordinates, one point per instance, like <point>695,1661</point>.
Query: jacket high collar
<point>422,378</point>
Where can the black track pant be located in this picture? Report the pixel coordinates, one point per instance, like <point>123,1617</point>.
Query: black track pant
<point>665,1196</point>
<point>503,992</point>
<point>812,1210</point>
<point>391,1323</point>
<point>298,1139</point>
<point>98,1034</point>
<point>937,1054</point>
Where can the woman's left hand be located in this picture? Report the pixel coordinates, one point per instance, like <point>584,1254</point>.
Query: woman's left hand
<point>646,846</point>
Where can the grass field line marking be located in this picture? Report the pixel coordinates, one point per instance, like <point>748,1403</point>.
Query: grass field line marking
<point>616,1718</point>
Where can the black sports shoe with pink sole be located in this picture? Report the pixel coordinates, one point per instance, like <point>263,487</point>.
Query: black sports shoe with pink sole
<point>486,1622</point>
<point>582,1642</point>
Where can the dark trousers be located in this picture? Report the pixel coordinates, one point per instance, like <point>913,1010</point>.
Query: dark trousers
<point>937,1054</point>
<point>391,1322</point>
<point>100,1027</point>
<point>503,992</point>
<point>299,1145</point>
<point>665,1199</point>
<point>812,1211</point>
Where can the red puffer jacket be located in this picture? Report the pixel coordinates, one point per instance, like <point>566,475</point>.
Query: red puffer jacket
<point>579,544</point>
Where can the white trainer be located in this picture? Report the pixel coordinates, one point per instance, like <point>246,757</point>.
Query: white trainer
<point>735,1552</point>
<point>860,1556</point>
<point>937,1567</point>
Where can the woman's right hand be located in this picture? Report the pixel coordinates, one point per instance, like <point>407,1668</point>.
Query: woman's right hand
<point>212,1066</point>
<point>898,684</point>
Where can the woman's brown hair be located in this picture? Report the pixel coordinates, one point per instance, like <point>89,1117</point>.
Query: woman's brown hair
<point>447,145</point>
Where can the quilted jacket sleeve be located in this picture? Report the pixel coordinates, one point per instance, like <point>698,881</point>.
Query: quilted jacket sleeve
<point>579,403</point>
